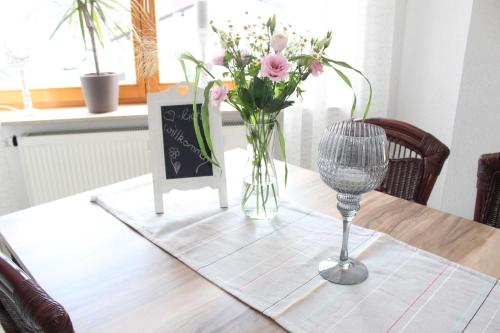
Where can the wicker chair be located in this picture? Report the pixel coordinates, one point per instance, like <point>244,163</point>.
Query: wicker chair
<point>25,307</point>
<point>487,209</point>
<point>415,160</point>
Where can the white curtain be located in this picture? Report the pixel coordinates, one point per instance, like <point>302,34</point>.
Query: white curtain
<point>363,33</point>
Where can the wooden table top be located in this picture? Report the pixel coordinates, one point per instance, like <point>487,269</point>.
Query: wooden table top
<point>110,279</point>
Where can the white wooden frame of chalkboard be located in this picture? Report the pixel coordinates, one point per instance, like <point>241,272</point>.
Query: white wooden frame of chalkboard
<point>161,184</point>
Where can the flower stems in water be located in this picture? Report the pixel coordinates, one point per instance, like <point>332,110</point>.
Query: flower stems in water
<point>260,185</point>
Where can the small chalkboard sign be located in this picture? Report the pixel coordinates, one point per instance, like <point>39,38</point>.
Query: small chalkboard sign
<point>177,161</point>
<point>183,156</point>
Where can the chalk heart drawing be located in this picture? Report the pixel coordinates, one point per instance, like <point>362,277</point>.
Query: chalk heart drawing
<point>170,115</point>
<point>177,166</point>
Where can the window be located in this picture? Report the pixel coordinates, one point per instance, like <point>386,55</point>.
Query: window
<point>53,67</point>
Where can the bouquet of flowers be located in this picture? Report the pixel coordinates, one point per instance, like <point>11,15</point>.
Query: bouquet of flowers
<point>266,68</point>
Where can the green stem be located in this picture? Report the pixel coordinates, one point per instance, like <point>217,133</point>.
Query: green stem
<point>259,134</point>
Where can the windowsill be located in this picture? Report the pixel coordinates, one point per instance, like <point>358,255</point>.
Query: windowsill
<point>81,115</point>
<point>73,114</point>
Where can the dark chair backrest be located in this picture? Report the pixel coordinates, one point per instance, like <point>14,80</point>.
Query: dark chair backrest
<point>25,307</point>
<point>415,160</point>
<point>487,209</point>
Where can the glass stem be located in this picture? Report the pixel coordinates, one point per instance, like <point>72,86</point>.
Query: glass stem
<point>348,206</point>
<point>344,252</point>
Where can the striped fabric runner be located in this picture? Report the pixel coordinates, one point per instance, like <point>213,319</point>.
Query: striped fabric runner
<point>273,267</point>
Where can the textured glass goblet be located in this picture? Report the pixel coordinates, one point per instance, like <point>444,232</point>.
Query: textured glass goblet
<point>352,160</point>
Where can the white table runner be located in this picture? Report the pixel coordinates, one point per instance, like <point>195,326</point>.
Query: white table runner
<point>273,267</point>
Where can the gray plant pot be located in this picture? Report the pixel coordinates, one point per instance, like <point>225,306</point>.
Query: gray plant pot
<point>100,91</point>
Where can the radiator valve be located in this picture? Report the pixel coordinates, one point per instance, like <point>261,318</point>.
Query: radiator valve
<point>11,141</point>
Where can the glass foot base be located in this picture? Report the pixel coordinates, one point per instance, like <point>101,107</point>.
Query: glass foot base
<point>346,272</point>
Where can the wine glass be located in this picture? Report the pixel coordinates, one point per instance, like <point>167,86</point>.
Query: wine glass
<point>352,160</point>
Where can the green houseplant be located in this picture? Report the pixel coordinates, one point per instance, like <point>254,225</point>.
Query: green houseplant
<point>267,68</point>
<point>100,89</point>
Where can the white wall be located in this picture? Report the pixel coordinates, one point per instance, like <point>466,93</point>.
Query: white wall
<point>12,196</point>
<point>449,85</point>
<point>435,38</point>
<point>432,52</point>
<point>477,122</point>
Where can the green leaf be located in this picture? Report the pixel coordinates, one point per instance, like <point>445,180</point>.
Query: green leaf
<point>196,125</point>
<point>300,91</point>
<point>205,121</point>
<point>346,65</point>
<point>262,92</point>
<point>348,82</point>
<point>201,137</point>
<point>100,11</point>
<point>120,4</point>
<point>281,139</point>
<point>304,57</point>
<point>328,39</point>
<point>107,4</point>
<point>271,24</point>
<point>82,27</point>
<point>197,130</point>
<point>287,104</point>
<point>183,64</point>
<point>189,57</point>
<point>97,26</point>
<point>277,105</point>
<point>122,31</point>
<point>245,97</point>
<point>65,18</point>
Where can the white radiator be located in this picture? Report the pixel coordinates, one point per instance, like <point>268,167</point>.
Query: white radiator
<point>56,165</point>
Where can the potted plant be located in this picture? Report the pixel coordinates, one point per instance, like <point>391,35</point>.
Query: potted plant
<point>100,89</point>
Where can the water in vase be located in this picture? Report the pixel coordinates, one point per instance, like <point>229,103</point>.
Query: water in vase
<point>260,200</point>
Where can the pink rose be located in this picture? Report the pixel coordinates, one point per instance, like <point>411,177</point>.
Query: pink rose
<point>218,94</point>
<point>316,68</point>
<point>278,42</point>
<point>275,67</point>
<point>218,59</point>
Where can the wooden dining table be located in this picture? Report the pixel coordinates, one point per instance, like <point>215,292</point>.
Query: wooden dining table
<point>111,279</point>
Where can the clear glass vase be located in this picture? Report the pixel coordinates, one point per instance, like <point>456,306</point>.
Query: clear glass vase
<point>260,195</point>
<point>352,160</point>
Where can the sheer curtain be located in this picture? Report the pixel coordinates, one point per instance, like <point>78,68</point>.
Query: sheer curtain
<point>363,33</point>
